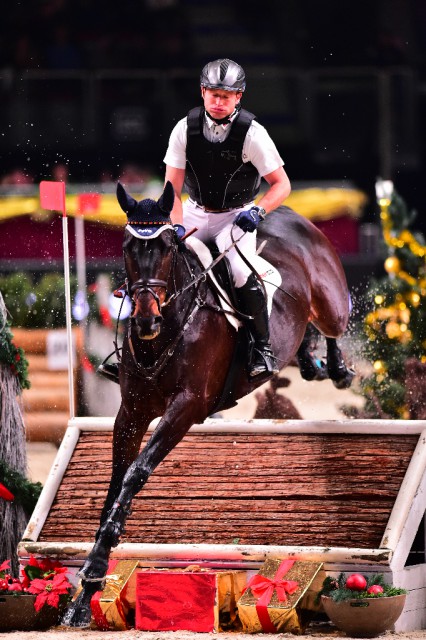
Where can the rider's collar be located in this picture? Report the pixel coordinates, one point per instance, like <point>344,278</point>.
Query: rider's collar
<point>147,232</point>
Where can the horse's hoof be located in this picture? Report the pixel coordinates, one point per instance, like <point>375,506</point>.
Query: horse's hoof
<point>311,370</point>
<point>321,371</point>
<point>77,615</point>
<point>346,381</point>
<point>93,570</point>
<point>92,573</point>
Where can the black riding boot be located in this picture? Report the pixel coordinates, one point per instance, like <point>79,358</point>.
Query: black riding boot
<point>252,302</point>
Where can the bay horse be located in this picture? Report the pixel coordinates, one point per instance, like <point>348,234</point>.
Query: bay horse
<point>180,347</point>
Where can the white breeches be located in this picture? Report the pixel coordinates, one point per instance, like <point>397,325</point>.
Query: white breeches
<point>216,227</point>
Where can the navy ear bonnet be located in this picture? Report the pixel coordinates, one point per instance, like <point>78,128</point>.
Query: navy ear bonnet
<point>148,218</point>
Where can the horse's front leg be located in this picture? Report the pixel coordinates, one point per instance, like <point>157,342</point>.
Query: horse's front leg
<point>128,434</point>
<point>178,418</point>
<point>127,438</point>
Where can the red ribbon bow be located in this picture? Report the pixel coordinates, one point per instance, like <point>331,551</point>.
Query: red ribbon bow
<point>263,588</point>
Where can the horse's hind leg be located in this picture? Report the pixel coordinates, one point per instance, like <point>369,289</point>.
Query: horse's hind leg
<point>337,370</point>
<point>311,368</point>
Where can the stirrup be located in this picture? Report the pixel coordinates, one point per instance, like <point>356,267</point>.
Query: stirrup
<point>263,363</point>
<point>109,371</point>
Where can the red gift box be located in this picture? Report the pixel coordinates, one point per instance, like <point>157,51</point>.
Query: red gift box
<point>186,601</point>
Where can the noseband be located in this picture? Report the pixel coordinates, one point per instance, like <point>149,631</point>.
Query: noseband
<point>146,286</point>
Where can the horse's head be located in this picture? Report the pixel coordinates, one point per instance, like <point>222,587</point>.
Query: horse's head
<point>149,246</point>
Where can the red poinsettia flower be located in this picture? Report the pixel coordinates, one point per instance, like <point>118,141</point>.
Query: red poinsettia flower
<point>49,591</point>
<point>5,566</point>
<point>45,568</point>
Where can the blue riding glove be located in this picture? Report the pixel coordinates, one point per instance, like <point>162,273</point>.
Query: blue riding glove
<point>179,230</point>
<point>249,220</point>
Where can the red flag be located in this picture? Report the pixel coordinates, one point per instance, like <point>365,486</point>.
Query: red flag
<point>52,196</point>
<point>88,202</point>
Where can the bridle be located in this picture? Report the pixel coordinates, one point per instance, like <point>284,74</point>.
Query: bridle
<point>147,286</point>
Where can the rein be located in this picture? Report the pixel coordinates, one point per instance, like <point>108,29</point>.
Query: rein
<point>202,278</point>
<point>147,285</point>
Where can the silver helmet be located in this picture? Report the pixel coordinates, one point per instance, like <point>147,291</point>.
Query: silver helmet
<point>223,74</point>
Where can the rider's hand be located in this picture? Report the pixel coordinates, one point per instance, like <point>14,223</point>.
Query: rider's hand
<point>179,230</point>
<point>249,220</point>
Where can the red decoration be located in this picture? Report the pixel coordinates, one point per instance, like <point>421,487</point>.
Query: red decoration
<point>175,601</point>
<point>356,582</point>
<point>6,495</point>
<point>86,364</point>
<point>375,589</point>
<point>263,588</point>
<point>105,317</point>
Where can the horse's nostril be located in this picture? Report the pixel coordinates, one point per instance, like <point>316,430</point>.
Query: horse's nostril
<point>157,320</point>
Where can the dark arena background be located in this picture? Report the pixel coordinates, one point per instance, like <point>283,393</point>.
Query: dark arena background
<point>98,85</point>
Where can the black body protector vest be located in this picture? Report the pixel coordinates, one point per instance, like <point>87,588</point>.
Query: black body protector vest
<point>216,176</point>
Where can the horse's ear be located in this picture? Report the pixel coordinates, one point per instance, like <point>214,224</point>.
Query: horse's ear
<point>167,198</point>
<point>126,202</point>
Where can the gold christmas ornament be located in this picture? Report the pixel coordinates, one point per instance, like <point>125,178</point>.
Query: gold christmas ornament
<point>392,264</point>
<point>378,366</point>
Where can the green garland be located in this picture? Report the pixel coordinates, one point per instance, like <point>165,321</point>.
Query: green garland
<point>14,357</point>
<point>337,591</point>
<point>26,493</point>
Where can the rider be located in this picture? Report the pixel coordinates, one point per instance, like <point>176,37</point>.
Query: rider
<point>221,153</point>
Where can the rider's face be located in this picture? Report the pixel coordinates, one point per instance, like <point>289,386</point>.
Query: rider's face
<point>219,103</point>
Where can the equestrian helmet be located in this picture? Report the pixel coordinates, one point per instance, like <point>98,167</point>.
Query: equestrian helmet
<point>223,74</point>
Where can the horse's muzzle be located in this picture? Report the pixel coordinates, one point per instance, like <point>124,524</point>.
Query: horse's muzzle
<point>147,328</point>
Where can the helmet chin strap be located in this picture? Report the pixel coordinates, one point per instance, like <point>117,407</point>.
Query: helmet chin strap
<point>227,119</point>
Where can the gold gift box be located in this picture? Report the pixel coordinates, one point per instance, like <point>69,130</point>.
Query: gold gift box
<point>230,586</point>
<point>111,607</point>
<point>290,615</point>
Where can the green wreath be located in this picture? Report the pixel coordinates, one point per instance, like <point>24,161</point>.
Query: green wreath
<point>14,357</point>
<point>25,492</point>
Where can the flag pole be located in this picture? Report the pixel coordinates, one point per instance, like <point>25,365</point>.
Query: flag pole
<point>68,311</point>
<point>52,196</point>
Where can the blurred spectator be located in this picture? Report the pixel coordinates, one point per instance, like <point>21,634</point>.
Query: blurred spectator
<point>26,54</point>
<point>106,175</point>
<point>143,178</point>
<point>17,177</point>
<point>134,174</point>
<point>60,172</point>
<point>62,52</point>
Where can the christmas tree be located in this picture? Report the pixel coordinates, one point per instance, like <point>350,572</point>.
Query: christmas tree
<point>395,327</point>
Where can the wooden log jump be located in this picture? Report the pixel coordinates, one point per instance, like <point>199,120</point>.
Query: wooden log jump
<point>351,494</point>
